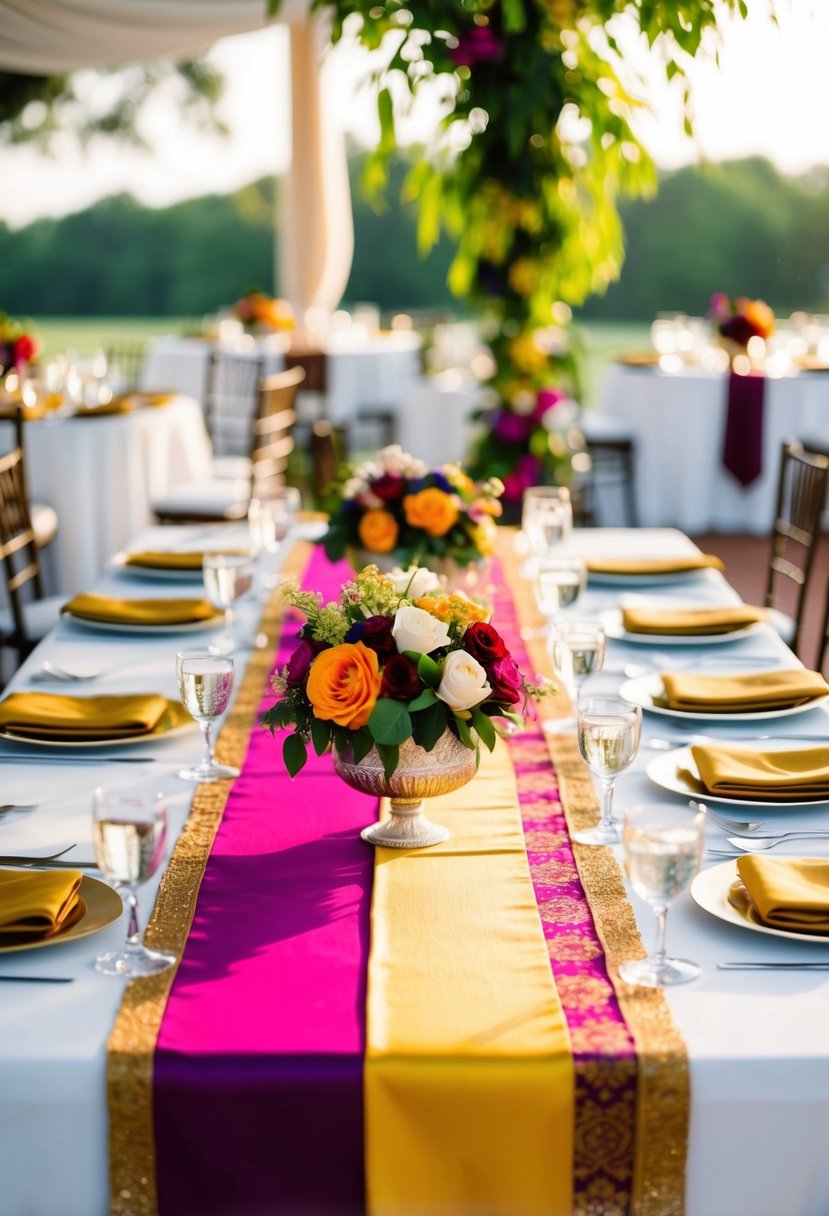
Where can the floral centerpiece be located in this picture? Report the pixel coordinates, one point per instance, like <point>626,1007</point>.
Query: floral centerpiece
<point>392,670</point>
<point>263,314</point>
<point>17,345</point>
<point>393,510</point>
<point>741,319</point>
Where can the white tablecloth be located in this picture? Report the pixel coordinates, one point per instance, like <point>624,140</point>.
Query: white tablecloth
<point>101,475</point>
<point>435,422</point>
<point>757,1043</point>
<point>678,422</point>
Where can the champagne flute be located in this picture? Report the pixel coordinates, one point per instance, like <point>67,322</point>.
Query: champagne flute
<point>577,649</point>
<point>558,583</point>
<point>227,577</point>
<point>663,850</point>
<point>608,731</point>
<point>129,834</point>
<point>205,682</point>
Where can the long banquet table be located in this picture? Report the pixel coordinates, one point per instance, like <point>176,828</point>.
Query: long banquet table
<point>756,1043</point>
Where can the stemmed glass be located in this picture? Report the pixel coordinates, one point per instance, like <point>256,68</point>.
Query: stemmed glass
<point>227,577</point>
<point>205,682</point>
<point>608,731</point>
<point>129,835</point>
<point>663,850</point>
<point>270,519</point>
<point>546,517</point>
<point>577,649</point>
<point>558,583</point>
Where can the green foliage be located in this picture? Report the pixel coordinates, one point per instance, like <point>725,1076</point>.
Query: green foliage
<point>389,722</point>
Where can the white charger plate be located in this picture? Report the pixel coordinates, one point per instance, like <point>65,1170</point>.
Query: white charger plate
<point>642,690</point>
<point>663,772</point>
<point>154,573</point>
<point>613,627</point>
<point>709,891</point>
<point>144,630</point>
<point>603,579</point>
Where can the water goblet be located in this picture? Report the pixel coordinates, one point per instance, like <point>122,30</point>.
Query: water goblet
<point>558,582</point>
<point>129,833</point>
<point>546,517</point>
<point>270,519</point>
<point>608,731</point>
<point>205,682</point>
<point>227,577</point>
<point>577,649</point>
<point>663,850</point>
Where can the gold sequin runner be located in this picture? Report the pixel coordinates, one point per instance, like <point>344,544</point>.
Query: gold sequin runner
<point>132,1042</point>
<point>663,1090</point>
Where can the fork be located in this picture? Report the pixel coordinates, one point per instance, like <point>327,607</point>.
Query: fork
<point>52,671</point>
<point>664,745</point>
<point>33,859</point>
<point>18,806</point>
<point>722,821</point>
<point>757,844</point>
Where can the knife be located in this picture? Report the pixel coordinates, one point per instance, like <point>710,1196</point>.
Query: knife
<point>37,979</point>
<point>38,758</point>
<point>773,966</point>
<point>44,863</point>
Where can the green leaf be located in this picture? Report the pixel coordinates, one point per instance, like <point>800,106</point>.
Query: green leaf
<point>362,741</point>
<point>320,734</point>
<point>390,755</point>
<point>342,739</point>
<point>426,698</point>
<point>464,733</point>
<point>385,113</point>
<point>515,18</point>
<point>484,728</point>
<point>294,753</point>
<point>428,670</point>
<point>390,722</point>
<point>429,724</point>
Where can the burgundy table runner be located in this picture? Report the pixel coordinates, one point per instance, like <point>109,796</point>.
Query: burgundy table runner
<point>743,441</point>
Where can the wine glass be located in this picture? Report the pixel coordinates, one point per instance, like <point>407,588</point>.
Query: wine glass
<point>558,582</point>
<point>270,519</point>
<point>205,681</point>
<point>546,517</point>
<point>608,730</point>
<point>227,577</point>
<point>663,850</point>
<point>129,834</point>
<point>577,649</point>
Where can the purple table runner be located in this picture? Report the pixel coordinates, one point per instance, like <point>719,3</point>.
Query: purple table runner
<point>743,442</point>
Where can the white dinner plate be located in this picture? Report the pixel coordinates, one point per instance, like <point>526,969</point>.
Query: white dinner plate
<point>709,891</point>
<point>155,573</point>
<point>663,772</point>
<point>144,630</point>
<point>631,581</point>
<point>613,627</point>
<point>642,690</point>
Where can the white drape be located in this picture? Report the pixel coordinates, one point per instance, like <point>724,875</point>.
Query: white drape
<point>50,36</point>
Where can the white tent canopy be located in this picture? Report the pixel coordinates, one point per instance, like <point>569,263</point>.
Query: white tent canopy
<point>42,37</point>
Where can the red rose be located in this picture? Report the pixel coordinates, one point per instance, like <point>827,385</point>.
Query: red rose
<point>484,643</point>
<point>505,681</point>
<point>400,679</point>
<point>24,350</point>
<point>388,487</point>
<point>299,664</point>
<point>375,632</point>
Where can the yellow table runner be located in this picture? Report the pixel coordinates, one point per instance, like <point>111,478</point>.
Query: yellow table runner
<point>469,1074</point>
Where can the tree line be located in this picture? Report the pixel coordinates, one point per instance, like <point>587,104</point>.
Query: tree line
<point>739,227</point>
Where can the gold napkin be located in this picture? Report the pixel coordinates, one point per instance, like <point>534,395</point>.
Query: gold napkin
<point>163,559</point>
<point>135,400</point>
<point>740,694</point>
<point>638,358</point>
<point>38,903</point>
<point>694,622</point>
<point>788,892</point>
<point>53,716</point>
<point>117,405</point>
<point>140,612</point>
<point>740,772</point>
<point>653,565</point>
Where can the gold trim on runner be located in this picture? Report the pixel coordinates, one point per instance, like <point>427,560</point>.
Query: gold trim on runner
<point>132,1042</point>
<point>663,1087</point>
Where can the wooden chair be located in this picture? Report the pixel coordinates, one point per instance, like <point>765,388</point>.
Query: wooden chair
<point>127,359</point>
<point>801,498</point>
<point>610,476</point>
<point>271,444</point>
<point>44,518</point>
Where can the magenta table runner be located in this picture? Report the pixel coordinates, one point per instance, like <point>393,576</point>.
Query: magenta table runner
<point>258,1067</point>
<point>743,441</point>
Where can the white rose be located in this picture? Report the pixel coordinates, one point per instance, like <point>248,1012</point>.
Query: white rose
<point>415,629</point>
<point>464,682</point>
<point>414,582</point>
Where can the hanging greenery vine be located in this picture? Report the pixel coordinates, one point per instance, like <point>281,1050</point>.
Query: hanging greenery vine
<point>534,148</point>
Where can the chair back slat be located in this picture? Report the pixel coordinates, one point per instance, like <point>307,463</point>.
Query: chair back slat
<point>230,399</point>
<point>18,547</point>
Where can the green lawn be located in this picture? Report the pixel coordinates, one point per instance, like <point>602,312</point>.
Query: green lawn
<point>602,340</point>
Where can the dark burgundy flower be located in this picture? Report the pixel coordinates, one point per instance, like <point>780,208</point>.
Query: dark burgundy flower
<point>375,632</point>
<point>512,428</point>
<point>527,473</point>
<point>6,356</point>
<point>24,349</point>
<point>484,643</point>
<point>389,487</point>
<point>478,45</point>
<point>299,664</point>
<point>505,681</point>
<point>400,679</point>
<point>738,329</point>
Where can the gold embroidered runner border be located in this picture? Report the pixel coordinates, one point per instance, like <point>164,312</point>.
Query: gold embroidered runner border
<point>663,1097</point>
<point>132,1042</point>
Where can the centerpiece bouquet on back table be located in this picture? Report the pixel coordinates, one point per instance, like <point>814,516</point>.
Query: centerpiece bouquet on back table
<point>394,511</point>
<point>404,683</point>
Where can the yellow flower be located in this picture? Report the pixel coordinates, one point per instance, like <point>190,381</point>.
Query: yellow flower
<point>378,531</point>
<point>522,277</point>
<point>344,684</point>
<point>432,510</point>
<point>526,356</point>
<point>453,608</point>
<point>482,536</point>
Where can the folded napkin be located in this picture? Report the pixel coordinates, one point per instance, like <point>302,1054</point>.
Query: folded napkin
<point>739,772</point>
<point>787,892</point>
<point>118,405</point>
<point>38,903</point>
<point>740,694</point>
<point>136,399</point>
<point>638,358</point>
<point>140,612</point>
<point>653,565</point>
<point>163,559</point>
<point>691,621</point>
<point>53,716</point>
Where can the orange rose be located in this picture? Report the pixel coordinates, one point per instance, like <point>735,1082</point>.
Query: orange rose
<point>432,510</point>
<point>344,684</point>
<point>378,531</point>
